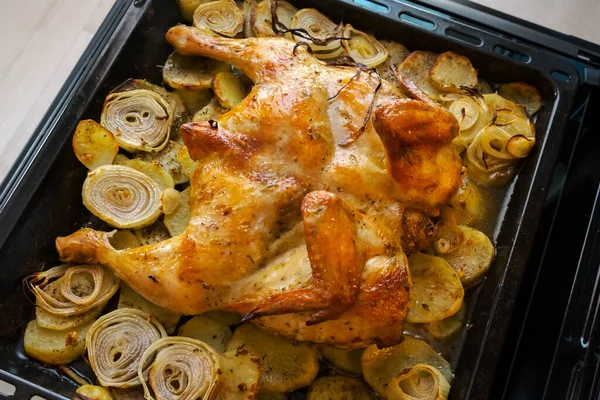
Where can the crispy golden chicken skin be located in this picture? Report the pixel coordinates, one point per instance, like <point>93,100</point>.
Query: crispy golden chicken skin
<point>296,211</point>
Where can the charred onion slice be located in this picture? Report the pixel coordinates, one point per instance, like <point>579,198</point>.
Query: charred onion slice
<point>179,368</point>
<point>222,16</point>
<point>320,27</point>
<point>139,119</point>
<point>116,343</point>
<point>421,382</point>
<point>122,196</point>
<point>364,48</point>
<point>82,288</point>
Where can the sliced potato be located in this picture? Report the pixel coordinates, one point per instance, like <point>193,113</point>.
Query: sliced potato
<point>261,17</point>
<point>396,54</point>
<point>212,110</point>
<point>207,330</point>
<point>188,166</point>
<point>228,89</point>
<point>194,100</point>
<point>285,366</point>
<point>473,257</point>
<point>187,7</point>
<point>167,159</point>
<point>239,377</point>
<point>124,239</point>
<point>468,205</point>
<point>224,317</point>
<point>345,360</point>
<point>153,170</point>
<point>92,392</point>
<point>177,221</point>
<point>94,145</point>
<point>522,93</point>
<point>437,292</point>
<point>55,347</point>
<point>152,234</point>
<point>381,365</point>
<point>191,73</point>
<point>338,388</point>
<point>128,298</point>
<point>416,68</point>
<point>452,72</point>
<point>448,328</point>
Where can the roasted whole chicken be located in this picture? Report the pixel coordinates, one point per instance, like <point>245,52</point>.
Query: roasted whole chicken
<point>307,197</point>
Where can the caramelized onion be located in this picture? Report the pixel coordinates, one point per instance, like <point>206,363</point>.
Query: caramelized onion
<point>320,27</point>
<point>122,196</point>
<point>139,119</point>
<point>222,16</point>
<point>82,288</point>
<point>116,343</point>
<point>363,48</point>
<point>421,382</point>
<point>179,368</point>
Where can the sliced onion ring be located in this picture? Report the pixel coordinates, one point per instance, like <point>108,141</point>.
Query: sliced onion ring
<point>104,286</point>
<point>222,16</point>
<point>320,27</point>
<point>122,196</point>
<point>116,343</point>
<point>139,119</point>
<point>364,48</point>
<point>180,368</point>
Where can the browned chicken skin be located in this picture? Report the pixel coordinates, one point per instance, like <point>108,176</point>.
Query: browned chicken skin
<point>296,218</point>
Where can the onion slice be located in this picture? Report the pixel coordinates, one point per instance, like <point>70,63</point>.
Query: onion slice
<point>222,16</point>
<point>364,48</point>
<point>122,196</point>
<point>421,382</point>
<point>82,288</point>
<point>139,119</point>
<point>179,368</point>
<point>116,343</point>
<point>320,27</point>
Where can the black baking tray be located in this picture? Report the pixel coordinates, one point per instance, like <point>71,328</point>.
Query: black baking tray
<point>41,197</point>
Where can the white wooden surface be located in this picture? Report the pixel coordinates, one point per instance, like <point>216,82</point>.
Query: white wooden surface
<point>41,40</point>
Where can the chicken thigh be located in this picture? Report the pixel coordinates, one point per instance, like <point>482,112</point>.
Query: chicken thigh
<point>298,204</point>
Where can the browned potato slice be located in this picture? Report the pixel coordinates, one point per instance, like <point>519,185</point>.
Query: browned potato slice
<point>124,239</point>
<point>177,221</point>
<point>167,159</point>
<point>94,145</point>
<point>452,72</point>
<point>188,166</point>
<point>448,328</point>
<point>346,360</point>
<point>381,365</point>
<point>285,366</point>
<point>416,68</point>
<point>228,89</point>
<point>437,292</point>
<point>92,392</point>
<point>55,347</point>
<point>209,331</point>
<point>473,257</point>
<point>151,234</point>
<point>239,377</point>
<point>191,73</point>
<point>468,205</point>
<point>187,7</point>
<point>522,93</point>
<point>338,388</point>
<point>396,54</point>
<point>128,298</point>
